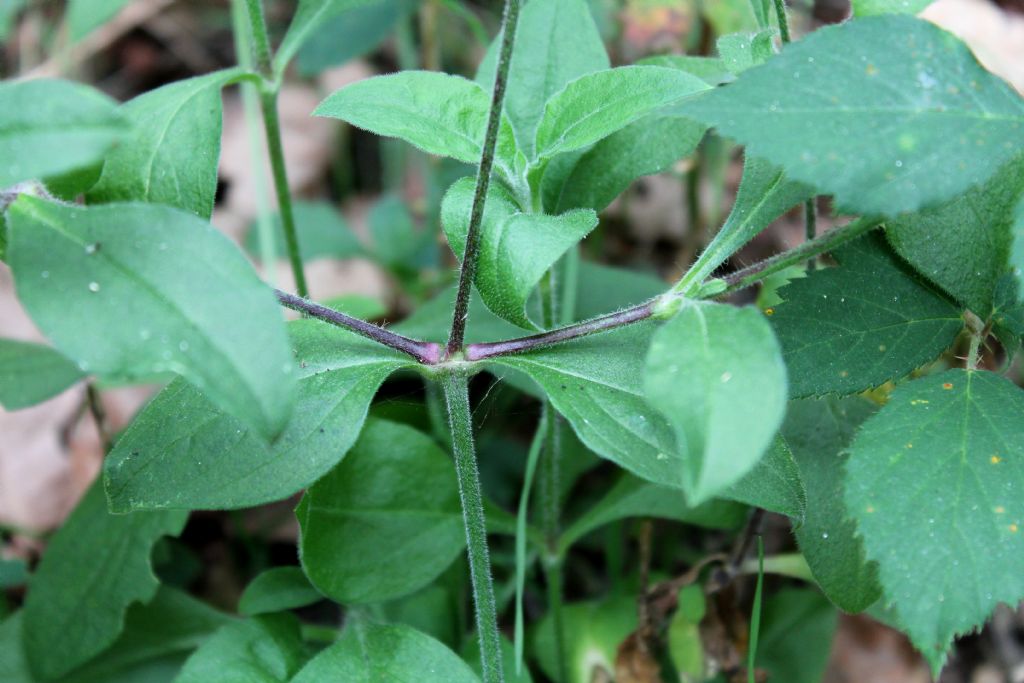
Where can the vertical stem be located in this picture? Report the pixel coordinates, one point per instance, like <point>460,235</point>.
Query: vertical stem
<point>483,179</point>
<point>780,14</point>
<point>260,40</point>
<point>551,511</point>
<point>99,415</point>
<point>811,226</point>
<point>536,447</point>
<point>456,390</point>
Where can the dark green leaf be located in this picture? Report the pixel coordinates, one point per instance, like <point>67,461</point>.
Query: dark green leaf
<point>433,319</point>
<point>31,373</point>
<point>386,521</point>
<point>867,8</point>
<point>308,19</point>
<point>851,328</point>
<point>351,33</point>
<point>322,233</point>
<point>741,51</point>
<point>277,590</point>
<point>796,636</point>
<point>181,452</point>
<point>602,288</point>
<point>397,244</point>
<point>155,284</point>
<point>774,484</point>
<point>265,649</point>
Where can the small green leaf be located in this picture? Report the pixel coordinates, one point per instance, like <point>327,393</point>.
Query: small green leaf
<point>867,8</point>
<point>354,32</point>
<point>367,534</point>
<point>370,652</point>
<point>171,157</point>
<point>309,18</point>
<point>866,109</point>
<point>74,579</point>
<point>595,105</point>
<point>182,452</point>
<point>516,248</point>
<point>798,627</point>
<point>438,113</point>
<point>265,649</point>
<point>84,16</point>
<point>707,365</point>
<point>741,51</point>
<point>593,632</point>
<point>31,373</point>
<point>710,69</point>
<point>818,432</point>
<point>774,484</point>
<point>851,328</point>
<point>51,127</point>
<point>322,232</point>
<point>933,482</point>
<point>154,283</point>
<point>277,590</point>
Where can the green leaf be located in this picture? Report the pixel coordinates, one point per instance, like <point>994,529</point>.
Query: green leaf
<point>516,248</point>
<point>76,604</point>
<point>595,105</point>
<point>433,320</point>
<point>397,244</point>
<point>797,630</point>
<point>707,365</point>
<point>182,452</point>
<point>963,246</point>
<point>710,69</point>
<point>741,51</point>
<point>370,652</point>
<point>847,329</point>
<point>818,432</point>
<point>1016,257</point>
<point>322,232</point>
<point>774,484</point>
<point>878,112</point>
<point>438,113</point>
<point>867,8</point>
<point>556,42</point>
<point>277,590</point>
<point>31,373</point>
<point>764,194</point>
<point>603,288</point>
<point>367,534</point>
<point>265,649</point>
<point>358,306</point>
<point>171,157</point>
<point>9,10</point>
<point>309,18</point>
<point>84,16</point>
<point>933,482</point>
<point>51,127</point>
<point>594,630</point>
<point>154,283</point>
<point>471,655</point>
<point>351,33</point>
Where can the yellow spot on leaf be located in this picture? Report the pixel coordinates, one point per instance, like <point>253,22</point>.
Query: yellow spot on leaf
<point>872,70</point>
<point>1013,528</point>
<point>995,460</point>
<point>999,509</point>
<point>843,373</point>
<point>769,311</point>
<point>881,347</point>
<point>909,445</point>
<point>870,508</point>
<point>947,386</point>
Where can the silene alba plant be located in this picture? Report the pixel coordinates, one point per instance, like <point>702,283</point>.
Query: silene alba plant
<point>864,402</point>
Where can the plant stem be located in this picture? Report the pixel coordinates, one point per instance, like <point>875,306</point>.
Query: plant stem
<point>99,415</point>
<point>811,226</point>
<point>456,390</point>
<point>428,353</point>
<point>521,519</point>
<point>780,14</point>
<point>483,179</point>
<point>550,513</point>
<point>260,40</point>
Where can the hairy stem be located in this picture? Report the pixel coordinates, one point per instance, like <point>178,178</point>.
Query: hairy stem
<point>483,179</point>
<point>780,14</point>
<point>456,390</point>
<point>551,511</point>
<point>428,353</point>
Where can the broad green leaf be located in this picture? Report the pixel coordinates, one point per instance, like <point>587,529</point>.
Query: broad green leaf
<point>1016,257</point>
<point>171,157</point>
<point>351,34</point>
<point>155,284</point>
<point>13,665</point>
<point>765,194</point>
<point>516,248</point>
<point>277,590</point>
<point>397,243</point>
<point>705,366</point>
<point>51,127</point>
<point>603,288</point>
<point>889,114</point>
<point>182,452</point>
<point>867,8</point>
<point>818,432</point>
<point>774,484</point>
<point>438,113</point>
<point>868,321</point>
<point>358,306</point>
<point>264,649</point>
<point>84,16</point>
<point>310,16</point>
<point>934,484</point>
<point>433,320</point>
<point>76,605</point>
<point>711,69</point>
<point>797,630</point>
<point>595,105</point>
<point>386,521</point>
<point>963,246</point>
<point>71,185</point>
<point>741,51</point>
<point>31,373</point>
<point>367,653</point>
<point>556,42</point>
<point>594,630</point>
<point>633,497</point>
<point>322,233</point>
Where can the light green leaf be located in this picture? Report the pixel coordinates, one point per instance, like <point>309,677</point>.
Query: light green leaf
<point>9,10</point>
<point>707,365</point>
<point>710,69</point>
<point>182,452</point>
<point>595,105</point>
<point>516,248</point>
<point>818,432</point>
<point>277,590</point>
<point>934,484</point>
<point>309,17</point>
<point>851,328</point>
<point>963,246</point>
<point>594,630</point>
<point>351,33</point>
<point>741,51</point>
<point>867,8</point>
<point>76,604</point>
<point>265,649</point>
<point>84,16</point>
<point>397,244</point>
<point>556,42</point>
<point>774,484</point>
<point>765,194</point>
<point>322,232</point>
<point>877,112</point>
<point>367,653</point>
<point>51,127</point>
<point>171,157</point>
<point>603,288</point>
<point>438,113</point>
<point>797,630</point>
<point>154,284</point>
<point>367,534</point>
<point>31,373</point>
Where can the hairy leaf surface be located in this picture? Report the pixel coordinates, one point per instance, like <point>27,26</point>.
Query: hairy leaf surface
<point>264,649</point>
<point>774,484</point>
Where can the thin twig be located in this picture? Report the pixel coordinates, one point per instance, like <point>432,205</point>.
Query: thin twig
<point>99,415</point>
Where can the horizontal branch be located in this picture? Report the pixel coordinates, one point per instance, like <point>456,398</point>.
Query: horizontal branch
<point>428,353</point>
